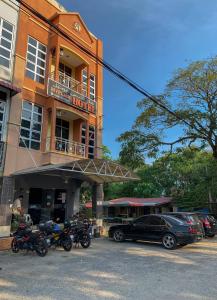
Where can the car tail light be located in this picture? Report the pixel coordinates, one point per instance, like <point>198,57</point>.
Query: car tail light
<point>189,222</point>
<point>207,224</point>
<point>192,230</point>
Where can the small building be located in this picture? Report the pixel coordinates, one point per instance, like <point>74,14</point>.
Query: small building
<point>129,208</point>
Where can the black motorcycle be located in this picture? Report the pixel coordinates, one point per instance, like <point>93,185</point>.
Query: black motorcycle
<point>25,239</point>
<point>78,233</point>
<point>54,236</point>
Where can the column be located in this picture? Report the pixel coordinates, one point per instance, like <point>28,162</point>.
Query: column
<point>7,197</point>
<point>97,201</point>
<point>73,198</point>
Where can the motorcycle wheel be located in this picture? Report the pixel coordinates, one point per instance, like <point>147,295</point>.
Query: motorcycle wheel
<point>67,244</point>
<point>41,248</point>
<point>14,246</point>
<point>86,241</point>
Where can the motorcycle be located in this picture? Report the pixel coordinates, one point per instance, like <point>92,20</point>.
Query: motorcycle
<point>78,233</point>
<point>55,236</point>
<point>25,239</point>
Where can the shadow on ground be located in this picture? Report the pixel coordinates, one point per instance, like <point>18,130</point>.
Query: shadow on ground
<point>110,270</point>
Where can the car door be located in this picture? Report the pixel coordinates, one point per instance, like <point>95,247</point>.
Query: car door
<point>156,228</point>
<point>139,228</point>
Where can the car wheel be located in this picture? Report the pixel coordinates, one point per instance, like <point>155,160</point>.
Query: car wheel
<point>211,235</point>
<point>169,241</point>
<point>118,235</point>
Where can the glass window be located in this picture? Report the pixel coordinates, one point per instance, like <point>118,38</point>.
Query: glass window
<point>84,82</point>
<point>143,220</point>
<point>6,42</point>
<point>91,146</point>
<point>36,60</point>
<point>30,133</point>
<point>156,221</point>
<point>92,87</point>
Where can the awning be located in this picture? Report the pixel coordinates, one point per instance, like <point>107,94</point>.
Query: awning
<point>13,89</point>
<point>134,202</point>
<point>93,170</point>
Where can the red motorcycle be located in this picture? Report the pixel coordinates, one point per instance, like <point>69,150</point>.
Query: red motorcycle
<point>25,239</point>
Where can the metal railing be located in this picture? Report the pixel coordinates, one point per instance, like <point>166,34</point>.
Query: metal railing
<point>67,146</point>
<point>78,87</point>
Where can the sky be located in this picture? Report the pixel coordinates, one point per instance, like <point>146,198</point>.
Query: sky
<point>147,40</point>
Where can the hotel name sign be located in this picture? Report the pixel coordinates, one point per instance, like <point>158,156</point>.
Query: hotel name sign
<point>70,97</point>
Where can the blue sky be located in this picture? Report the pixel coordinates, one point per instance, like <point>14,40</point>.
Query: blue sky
<point>147,40</point>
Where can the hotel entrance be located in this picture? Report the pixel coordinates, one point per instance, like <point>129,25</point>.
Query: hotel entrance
<point>47,204</point>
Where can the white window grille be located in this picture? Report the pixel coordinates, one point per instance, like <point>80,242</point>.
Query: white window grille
<point>92,87</point>
<point>36,60</point>
<point>31,123</point>
<point>91,141</point>
<point>84,82</point>
<point>6,43</point>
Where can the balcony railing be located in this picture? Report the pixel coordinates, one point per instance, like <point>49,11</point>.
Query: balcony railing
<point>66,88</point>
<point>67,147</point>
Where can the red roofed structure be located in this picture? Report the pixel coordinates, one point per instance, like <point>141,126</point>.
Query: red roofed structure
<point>134,207</point>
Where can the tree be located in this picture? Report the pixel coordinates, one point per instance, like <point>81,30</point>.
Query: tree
<point>192,95</point>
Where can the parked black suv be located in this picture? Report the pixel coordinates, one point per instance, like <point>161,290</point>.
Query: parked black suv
<point>168,230</point>
<point>209,224</point>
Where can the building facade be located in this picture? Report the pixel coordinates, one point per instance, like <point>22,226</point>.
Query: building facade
<point>55,114</point>
<point>9,10</point>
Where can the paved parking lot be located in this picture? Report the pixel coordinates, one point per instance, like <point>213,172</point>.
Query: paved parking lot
<point>109,270</point>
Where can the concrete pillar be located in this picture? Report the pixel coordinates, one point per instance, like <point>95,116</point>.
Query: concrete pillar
<point>7,197</point>
<point>73,198</point>
<point>97,200</point>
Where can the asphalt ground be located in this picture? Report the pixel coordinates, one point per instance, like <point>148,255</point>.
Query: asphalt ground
<point>109,270</point>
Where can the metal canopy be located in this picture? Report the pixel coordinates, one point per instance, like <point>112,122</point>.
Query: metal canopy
<point>95,170</point>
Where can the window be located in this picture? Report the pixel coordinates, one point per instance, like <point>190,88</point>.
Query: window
<point>62,135</point>
<point>6,43</point>
<point>143,220</point>
<point>31,121</point>
<point>83,133</point>
<point>36,60</point>
<point>84,82</point>
<point>157,221</point>
<point>92,87</point>
<point>91,142</point>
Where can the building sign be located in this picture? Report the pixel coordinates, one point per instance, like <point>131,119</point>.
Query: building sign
<point>70,97</point>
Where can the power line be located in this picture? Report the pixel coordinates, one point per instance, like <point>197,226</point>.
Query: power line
<point>107,66</point>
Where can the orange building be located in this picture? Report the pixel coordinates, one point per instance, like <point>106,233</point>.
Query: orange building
<point>57,118</point>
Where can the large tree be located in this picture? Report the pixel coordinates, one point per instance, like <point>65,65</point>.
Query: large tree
<point>192,95</point>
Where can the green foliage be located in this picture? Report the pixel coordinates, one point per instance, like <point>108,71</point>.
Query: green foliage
<point>106,153</point>
<point>192,95</point>
<point>189,176</point>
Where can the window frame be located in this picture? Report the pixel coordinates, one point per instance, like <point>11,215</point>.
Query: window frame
<point>93,94</point>
<point>91,155</point>
<point>10,59</point>
<point>37,57</point>
<point>84,81</point>
<point>23,139</point>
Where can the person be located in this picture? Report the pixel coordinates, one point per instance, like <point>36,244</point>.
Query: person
<point>17,210</point>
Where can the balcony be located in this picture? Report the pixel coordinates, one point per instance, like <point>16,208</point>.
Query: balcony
<point>67,147</point>
<point>71,92</point>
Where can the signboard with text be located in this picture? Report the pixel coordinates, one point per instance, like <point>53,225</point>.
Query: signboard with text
<point>70,97</point>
